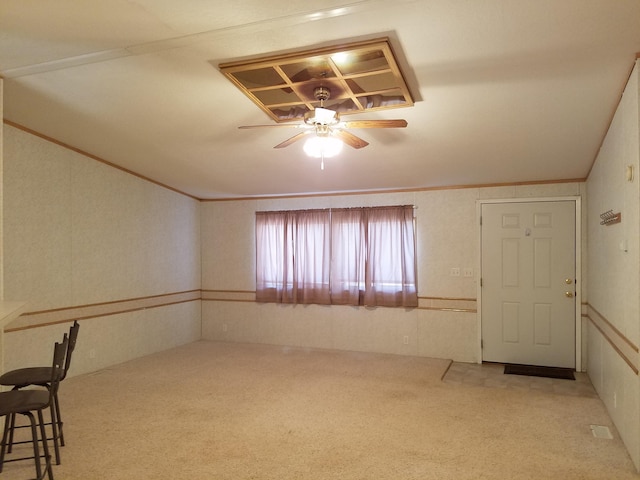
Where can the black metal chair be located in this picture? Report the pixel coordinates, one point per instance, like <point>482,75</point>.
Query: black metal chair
<point>40,376</point>
<point>27,402</point>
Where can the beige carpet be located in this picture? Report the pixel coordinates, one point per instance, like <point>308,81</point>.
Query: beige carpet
<point>232,411</point>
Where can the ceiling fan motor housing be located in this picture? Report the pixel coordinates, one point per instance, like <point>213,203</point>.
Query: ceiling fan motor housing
<point>321,94</point>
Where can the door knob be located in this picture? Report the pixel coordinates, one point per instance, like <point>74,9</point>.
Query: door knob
<point>568,281</point>
<point>568,294</point>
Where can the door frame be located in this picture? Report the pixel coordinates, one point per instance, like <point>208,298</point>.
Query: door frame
<point>578,262</point>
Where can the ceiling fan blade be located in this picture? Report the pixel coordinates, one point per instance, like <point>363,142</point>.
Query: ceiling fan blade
<point>295,138</point>
<point>399,123</point>
<point>350,139</point>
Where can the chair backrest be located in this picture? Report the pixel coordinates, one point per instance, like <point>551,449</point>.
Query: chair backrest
<point>57,372</point>
<point>73,336</point>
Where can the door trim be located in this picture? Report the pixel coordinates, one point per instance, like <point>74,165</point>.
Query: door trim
<point>578,262</point>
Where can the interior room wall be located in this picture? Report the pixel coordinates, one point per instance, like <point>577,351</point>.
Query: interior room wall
<point>85,240</point>
<point>614,270</point>
<point>446,323</point>
<point>132,259</point>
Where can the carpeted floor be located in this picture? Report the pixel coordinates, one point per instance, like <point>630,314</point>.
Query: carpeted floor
<point>234,411</point>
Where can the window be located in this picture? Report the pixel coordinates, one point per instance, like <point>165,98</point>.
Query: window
<point>357,256</point>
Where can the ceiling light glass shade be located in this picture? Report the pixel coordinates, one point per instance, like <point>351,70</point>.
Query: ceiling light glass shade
<point>325,147</point>
<point>325,116</point>
<point>321,116</point>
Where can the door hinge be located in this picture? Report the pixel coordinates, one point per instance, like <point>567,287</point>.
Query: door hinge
<point>480,281</point>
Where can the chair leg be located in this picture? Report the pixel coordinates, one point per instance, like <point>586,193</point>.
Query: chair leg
<point>56,432</point>
<point>34,441</point>
<point>12,427</point>
<point>45,447</point>
<point>58,418</point>
<point>5,434</point>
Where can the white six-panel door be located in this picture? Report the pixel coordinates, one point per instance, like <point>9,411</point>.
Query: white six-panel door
<point>528,283</point>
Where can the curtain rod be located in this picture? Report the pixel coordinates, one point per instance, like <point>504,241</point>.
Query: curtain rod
<point>379,207</point>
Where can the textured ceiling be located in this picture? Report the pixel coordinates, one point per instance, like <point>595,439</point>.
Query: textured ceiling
<point>505,90</point>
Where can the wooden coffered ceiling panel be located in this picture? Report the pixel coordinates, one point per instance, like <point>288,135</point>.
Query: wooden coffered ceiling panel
<point>361,76</point>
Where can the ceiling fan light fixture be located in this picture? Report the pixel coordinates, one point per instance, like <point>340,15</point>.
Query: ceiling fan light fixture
<point>321,116</point>
<point>322,146</point>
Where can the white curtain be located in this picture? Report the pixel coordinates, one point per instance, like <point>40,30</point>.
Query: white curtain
<point>357,256</point>
<point>373,257</point>
<point>292,263</point>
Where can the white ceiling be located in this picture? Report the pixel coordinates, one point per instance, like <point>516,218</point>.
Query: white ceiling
<point>505,90</point>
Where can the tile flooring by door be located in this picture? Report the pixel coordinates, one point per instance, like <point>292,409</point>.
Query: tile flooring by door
<point>492,375</point>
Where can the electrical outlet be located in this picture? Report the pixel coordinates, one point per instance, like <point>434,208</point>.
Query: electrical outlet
<point>92,353</point>
<point>405,340</point>
<point>224,327</point>
<point>455,272</point>
<point>468,272</point>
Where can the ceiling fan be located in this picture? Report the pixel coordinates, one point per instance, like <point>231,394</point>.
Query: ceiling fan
<point>326,123</point>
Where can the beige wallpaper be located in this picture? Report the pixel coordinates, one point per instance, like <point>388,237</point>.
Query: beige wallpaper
<point>1,189</point>
<point>614,270</point>
<point>446,325</point>
<point>81,233</point>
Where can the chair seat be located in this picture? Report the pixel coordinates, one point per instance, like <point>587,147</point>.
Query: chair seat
<point>26,376</point>
<point>21,401</point>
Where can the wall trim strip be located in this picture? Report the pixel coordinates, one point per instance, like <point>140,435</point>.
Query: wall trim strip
<point>441,309</point>
<point>444,309</point>
<point>624,347</point>
<point>36,319</point>
<point>444,304</point>
<point>448,298</point>
<point>612,327</point>
<point>398,190</point>
<point>54,316</point>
